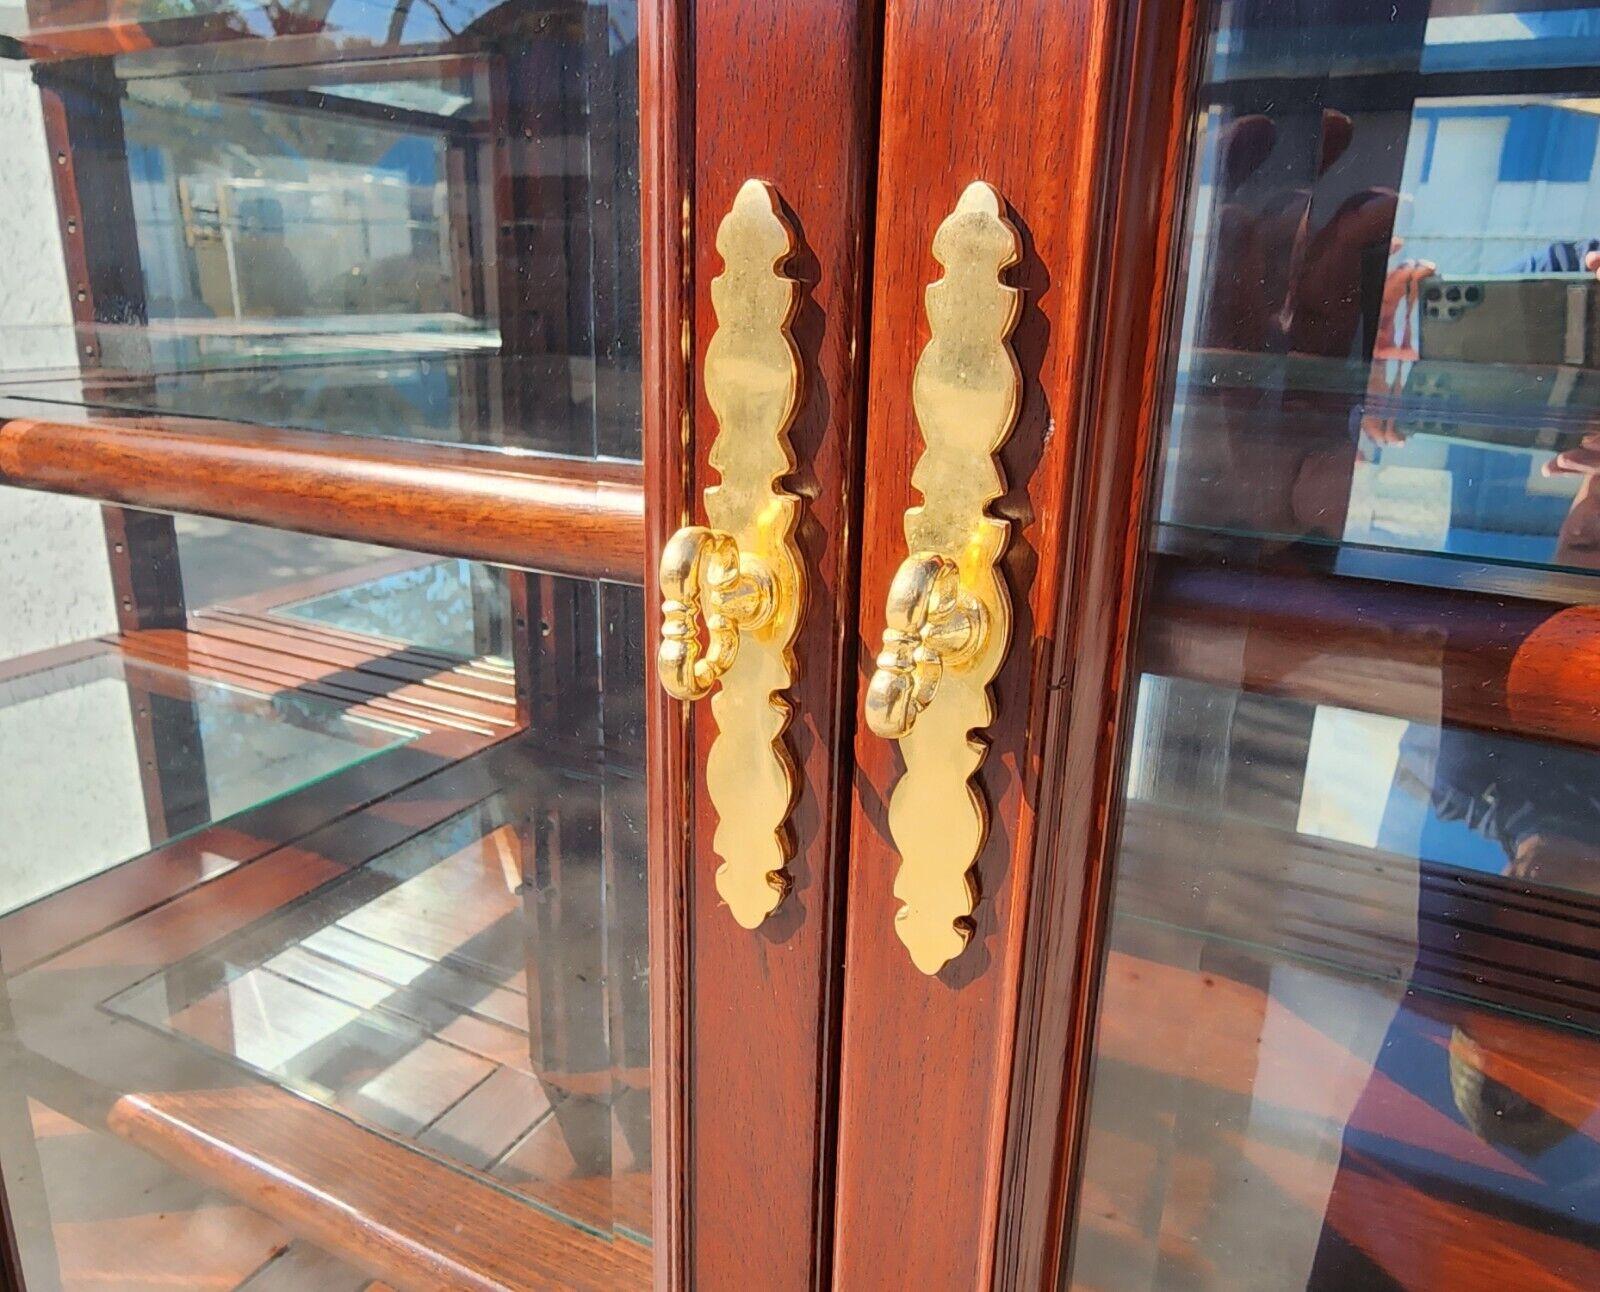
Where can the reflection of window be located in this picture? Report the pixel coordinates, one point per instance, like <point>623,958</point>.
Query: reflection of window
<point>1548,143</point>
<point>1430,123</point>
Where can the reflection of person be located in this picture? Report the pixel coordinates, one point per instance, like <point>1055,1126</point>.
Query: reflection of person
<point>1540,803</point>
<point>1279,460</point>
<point>1522,1086</point>
<point>1579,541</point>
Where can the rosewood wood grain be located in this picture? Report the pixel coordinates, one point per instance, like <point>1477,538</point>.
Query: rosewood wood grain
<point>557,515</point>
<point>197,653</point>
<point>960,1091</point>
<point>496,674</point>
<point>438,691</point>
<point>436,726</point>
<point>715,988</point>
<point>787,94</point>
<point>396,1214</point>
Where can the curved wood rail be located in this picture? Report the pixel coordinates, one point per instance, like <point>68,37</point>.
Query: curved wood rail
<point>1495,663</point>
<point>557,515</point>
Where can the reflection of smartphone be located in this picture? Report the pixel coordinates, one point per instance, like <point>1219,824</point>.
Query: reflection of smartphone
<point>1549,319</point>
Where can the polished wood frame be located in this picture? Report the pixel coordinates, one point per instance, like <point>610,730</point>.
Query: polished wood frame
<point>962,1093</point>
<point>745,1023</point>
<point>956,1112</point>
<point>559,515</point>
<point>666,132</point>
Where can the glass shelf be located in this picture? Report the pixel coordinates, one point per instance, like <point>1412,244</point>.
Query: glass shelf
<point>112,756</point>
<point>364,384</point>
<point>434,605</point>
<point>406,995</point>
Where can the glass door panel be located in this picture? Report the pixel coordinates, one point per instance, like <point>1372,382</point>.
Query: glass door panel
<point>433,237</point>
<point>323,953</point>
<point>1348,1034</point>
<point>322,913</point>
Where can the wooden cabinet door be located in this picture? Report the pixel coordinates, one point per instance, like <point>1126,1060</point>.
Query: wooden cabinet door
<point>364,996</point>
<point>953,1090</point>
<point>746,1028</point>
<point>1281,969</point>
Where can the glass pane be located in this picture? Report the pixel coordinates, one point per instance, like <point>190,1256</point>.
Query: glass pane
<point>1348,1035</point>
<point>426,231</point>
<point>86,731</point>
<point>323,908</point>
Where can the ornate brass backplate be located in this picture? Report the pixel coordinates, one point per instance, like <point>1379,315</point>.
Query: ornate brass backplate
<point>734,589</point>
<point>948,620</point>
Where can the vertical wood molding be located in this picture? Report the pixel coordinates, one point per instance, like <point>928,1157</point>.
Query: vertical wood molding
<point>25,1216</point>
<point>666,159</point>
<point>960,1091</point>
<point>1145,184</point>
<point>783,93</point>
<point>10,1257</point>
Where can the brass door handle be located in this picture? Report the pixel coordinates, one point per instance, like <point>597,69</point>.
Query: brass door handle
<point>733,590</point>
<point>948,616</point>
<point>708,587</point>
<point>932,624</point>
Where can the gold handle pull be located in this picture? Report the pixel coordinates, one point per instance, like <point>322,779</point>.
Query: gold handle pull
<point>948,618</point>
<point>733,590</point>
<point>707,585</point>
<point>933,623</point>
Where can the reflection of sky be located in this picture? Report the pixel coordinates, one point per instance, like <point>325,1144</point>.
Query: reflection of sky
<point>366,20</point>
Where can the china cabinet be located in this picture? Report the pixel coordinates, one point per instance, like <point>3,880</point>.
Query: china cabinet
<point>727,644</point>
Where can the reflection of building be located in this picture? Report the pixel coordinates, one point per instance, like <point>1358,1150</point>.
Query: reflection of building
<point>1494,178</point>
<point>1482,130</point>
<point>297,215</point>
<point>1491,181</point>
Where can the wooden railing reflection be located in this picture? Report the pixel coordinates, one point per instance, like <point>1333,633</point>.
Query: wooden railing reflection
<point>1521,667</point>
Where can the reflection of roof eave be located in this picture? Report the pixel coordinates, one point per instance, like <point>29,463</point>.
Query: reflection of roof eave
<point>1512,55</point>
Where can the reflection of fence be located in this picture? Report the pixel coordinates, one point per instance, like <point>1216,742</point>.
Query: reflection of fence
<point>1481,253</point>
<point>293,247</point>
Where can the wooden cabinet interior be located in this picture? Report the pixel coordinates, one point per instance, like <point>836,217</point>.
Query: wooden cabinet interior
<point>479,1113</point>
